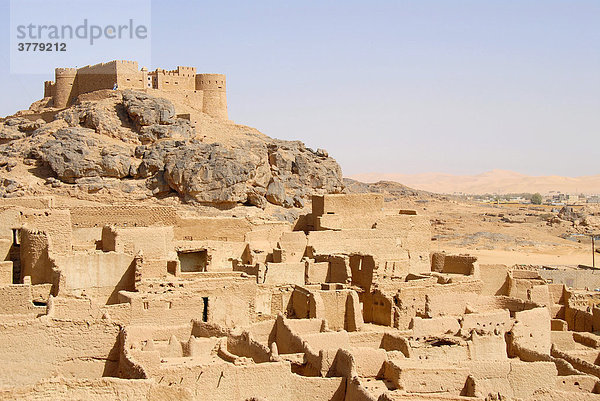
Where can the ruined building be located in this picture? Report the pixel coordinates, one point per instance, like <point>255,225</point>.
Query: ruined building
<point>347,303</point>
<point>206,91</point>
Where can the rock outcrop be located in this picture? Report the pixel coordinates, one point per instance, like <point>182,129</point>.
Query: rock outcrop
<point>78,152</point>
<point>141,142</point>
<point>212,173</point>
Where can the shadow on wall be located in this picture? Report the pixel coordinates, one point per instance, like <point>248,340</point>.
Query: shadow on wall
<point>14,255</point>
<point>127,283</point>
<point>502,290</point>
<point>111,365</point>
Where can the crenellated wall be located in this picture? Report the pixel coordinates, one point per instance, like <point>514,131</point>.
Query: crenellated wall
<point>207,91</point>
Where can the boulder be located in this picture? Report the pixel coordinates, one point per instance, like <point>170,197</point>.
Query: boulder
<point>256,197</point>
<point>210,173</point>
<point>299,168</point>
<point>276,193</point>
<point>17,128</point>
<point>176,129</point>
<point>78,152</point>
<point>147,110</point>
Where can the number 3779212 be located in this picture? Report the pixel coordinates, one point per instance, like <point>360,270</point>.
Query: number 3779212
<point>42,47</point>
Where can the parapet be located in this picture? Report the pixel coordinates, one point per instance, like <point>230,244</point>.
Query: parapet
<point>128,63</point>
<point>186,71</point>
<point>65,72</point>
<point>215,82</point>
<point>48,88</point>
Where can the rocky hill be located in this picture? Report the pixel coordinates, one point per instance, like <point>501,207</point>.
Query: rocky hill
<point>392,190</point>
<point>126,145</point>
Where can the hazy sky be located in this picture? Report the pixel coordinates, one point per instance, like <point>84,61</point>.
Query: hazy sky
<point>392,86</point>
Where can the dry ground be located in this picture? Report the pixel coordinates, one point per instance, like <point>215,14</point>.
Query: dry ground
<point>504,234</point>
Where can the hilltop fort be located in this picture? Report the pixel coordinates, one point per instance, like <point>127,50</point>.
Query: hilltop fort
<point>115,130</point>
<point>205,90</point>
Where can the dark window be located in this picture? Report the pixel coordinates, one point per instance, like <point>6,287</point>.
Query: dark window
<point>16,237</point>
<point>193,261</point>
<point>205,309</point>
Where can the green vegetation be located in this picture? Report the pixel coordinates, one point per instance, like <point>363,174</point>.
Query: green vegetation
<point>506,197</point>
<point>536,198</point>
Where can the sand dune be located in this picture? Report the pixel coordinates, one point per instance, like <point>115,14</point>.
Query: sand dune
<point>495,181</point>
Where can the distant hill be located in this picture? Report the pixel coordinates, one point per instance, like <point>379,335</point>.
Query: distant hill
<point>392,190</point>
<point>495,181</point>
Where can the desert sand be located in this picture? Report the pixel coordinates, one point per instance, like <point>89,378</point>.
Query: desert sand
<point>491,182</point>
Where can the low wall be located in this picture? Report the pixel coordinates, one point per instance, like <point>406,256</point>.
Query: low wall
<point>17,299</point>
<point>122,216</point>
<point>285,273</point>
<point>510,378</point>
<point>270,380</point>
<point>245,345</point>
<point>409,249</point>
<point>30,202</point>
<point>85,349</point>
<point>212,228</point>
<point>154,242</point>
<point>101,274</point>
<point>454,264</point>
<point>347,204</point>
<point>577,363</point>
<point>104,389</point>
<point>574,278</point>
<point>6,273</point>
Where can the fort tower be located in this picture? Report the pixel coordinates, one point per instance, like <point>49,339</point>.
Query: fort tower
<point>215,97</point>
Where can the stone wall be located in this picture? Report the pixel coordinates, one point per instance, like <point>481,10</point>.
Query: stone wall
<point>100,275</point>
<point>122,216</point>
<point>85,349</point>
<point>212,228</point>
<point>154,242</point>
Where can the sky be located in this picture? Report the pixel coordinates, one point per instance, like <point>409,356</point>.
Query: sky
<point>459,87</point>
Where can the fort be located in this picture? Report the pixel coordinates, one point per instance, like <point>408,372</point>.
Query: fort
<point>207,91</point>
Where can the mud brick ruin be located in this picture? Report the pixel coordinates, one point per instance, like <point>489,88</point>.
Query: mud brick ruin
<point>348,303</point>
